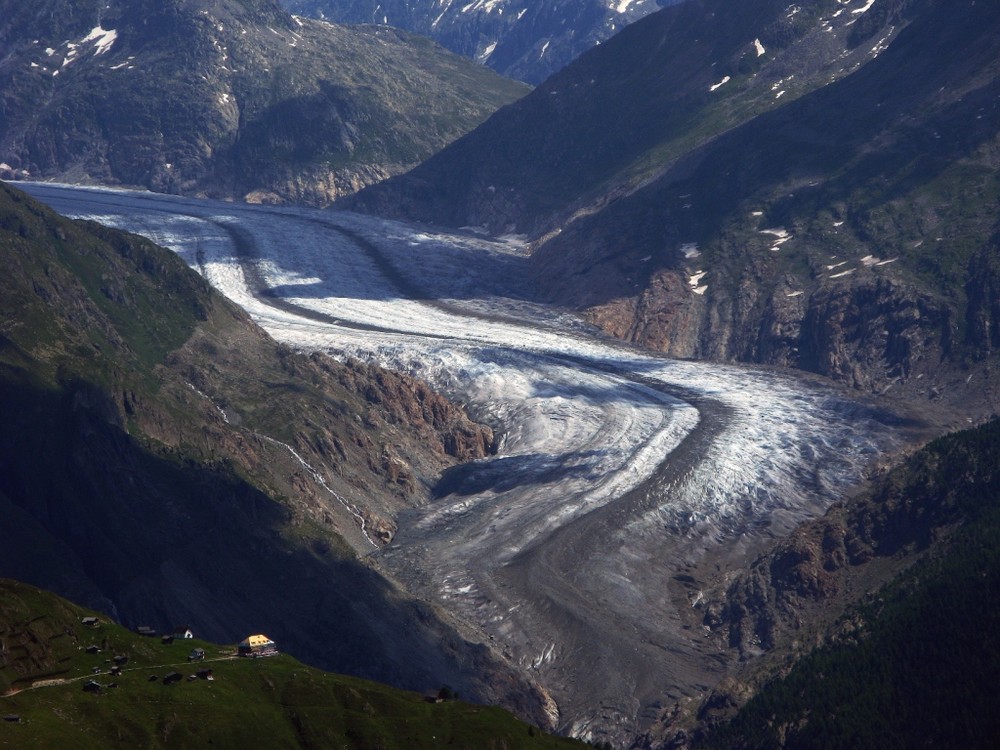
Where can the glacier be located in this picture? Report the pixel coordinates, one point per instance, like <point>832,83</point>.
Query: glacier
<point>621,475</point>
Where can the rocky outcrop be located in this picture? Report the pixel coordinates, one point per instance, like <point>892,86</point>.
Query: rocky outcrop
<point>667,316</point>
<point>874,332</point>
<point>871,332</point>
<point>411,403</point>
<point>314,186</point>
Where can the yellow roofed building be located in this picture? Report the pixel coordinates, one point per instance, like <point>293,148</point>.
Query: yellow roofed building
<point>257,645</point>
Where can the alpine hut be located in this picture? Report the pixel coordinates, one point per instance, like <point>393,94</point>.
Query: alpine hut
<point>257,645</point>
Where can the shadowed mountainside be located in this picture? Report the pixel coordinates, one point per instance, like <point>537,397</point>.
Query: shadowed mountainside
<point>876,621</point>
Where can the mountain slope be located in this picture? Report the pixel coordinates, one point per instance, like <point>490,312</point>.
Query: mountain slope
<point>624,111</point>
<point>916,558</point>
<point>524,40</point>
<point>165,460</point>
<point>810,186</point>
<point>231,98</point>
<point>277,702</point>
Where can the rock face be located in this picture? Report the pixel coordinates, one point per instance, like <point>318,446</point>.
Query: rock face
<point>228,99</point>
<point>871,332</point>
<point>524,40</point>
<point>164,460</point>
<point>413,404</point>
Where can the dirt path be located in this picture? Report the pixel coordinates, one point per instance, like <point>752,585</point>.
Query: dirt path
<point>56,682</point>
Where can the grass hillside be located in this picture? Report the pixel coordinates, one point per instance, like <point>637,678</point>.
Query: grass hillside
<point>275,702</point>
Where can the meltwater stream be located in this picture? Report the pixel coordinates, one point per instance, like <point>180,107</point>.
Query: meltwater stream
<point>618,471</point>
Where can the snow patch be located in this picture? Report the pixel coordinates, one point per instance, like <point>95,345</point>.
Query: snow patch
<point>485,55</point>
<point>714,86</point>
<point>848,272</point>
<point>102,39</point>
<point>486,6</point>
<point>795,294</point>
<point>70,56</point>
<point>781,236</point>
<point>690,250</point>
<point>545,657</point>
<point>863,9</point>
<point>882,44</point>
<point>759,47</point>
<point>695,282</point>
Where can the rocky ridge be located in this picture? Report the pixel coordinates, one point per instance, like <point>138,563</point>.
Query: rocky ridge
<point>528,41</point>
